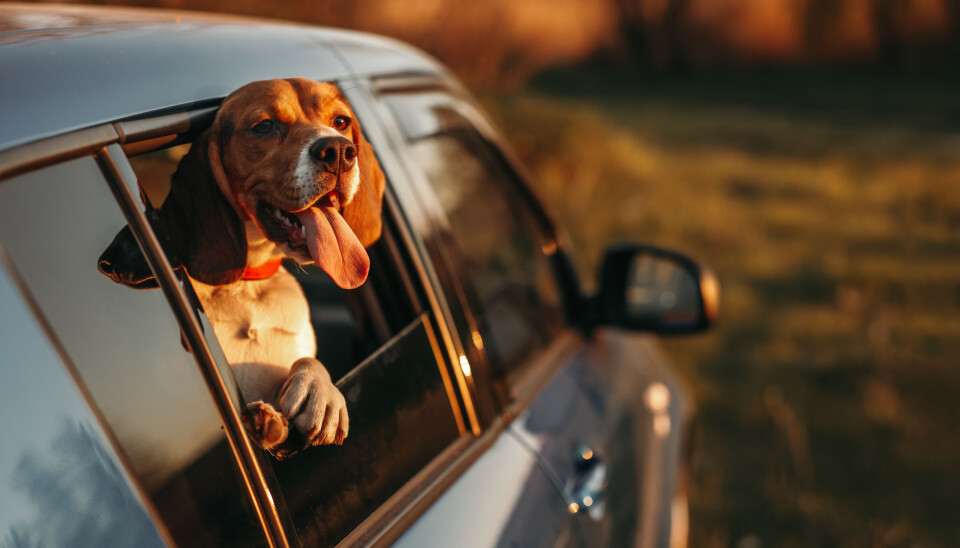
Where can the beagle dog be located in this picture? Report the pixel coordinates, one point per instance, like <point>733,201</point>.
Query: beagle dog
<point>283,172</point>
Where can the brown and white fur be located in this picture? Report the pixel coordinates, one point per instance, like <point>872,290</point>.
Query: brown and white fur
<point>283,172</point>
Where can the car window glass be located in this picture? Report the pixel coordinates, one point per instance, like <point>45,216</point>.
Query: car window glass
<point>60,482</point>
<point>380,347</point>
<point>495,239</point>
<point>126,345</point>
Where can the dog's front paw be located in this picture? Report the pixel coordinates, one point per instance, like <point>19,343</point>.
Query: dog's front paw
<point>265,425</point>
<point>311,401</point>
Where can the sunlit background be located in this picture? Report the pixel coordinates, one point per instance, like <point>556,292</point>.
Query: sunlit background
<point>809,151</point>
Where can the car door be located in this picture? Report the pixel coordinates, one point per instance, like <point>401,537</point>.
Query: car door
<point>592,411</point>
<point>608,425</point>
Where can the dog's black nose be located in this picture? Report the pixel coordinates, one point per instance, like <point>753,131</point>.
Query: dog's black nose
<point>335,154</point>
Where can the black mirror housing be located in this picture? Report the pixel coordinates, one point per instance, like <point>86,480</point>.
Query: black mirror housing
<point>646,288</point>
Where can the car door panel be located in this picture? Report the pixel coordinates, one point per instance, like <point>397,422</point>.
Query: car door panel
<point>614,402</point>
<point>503,499</point>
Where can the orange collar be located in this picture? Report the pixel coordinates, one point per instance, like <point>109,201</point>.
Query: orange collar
<point>263,271</point>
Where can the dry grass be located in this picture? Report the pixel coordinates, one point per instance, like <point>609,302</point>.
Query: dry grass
<point>827,395</point>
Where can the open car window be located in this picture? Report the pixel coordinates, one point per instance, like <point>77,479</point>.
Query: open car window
<point>380,346</point>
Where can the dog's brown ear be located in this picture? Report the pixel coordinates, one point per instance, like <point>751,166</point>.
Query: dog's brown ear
<point>203,229</point>
<point>363,213</point>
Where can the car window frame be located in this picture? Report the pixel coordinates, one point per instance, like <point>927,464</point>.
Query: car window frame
<point>110,145</point>
<point>402,507</point>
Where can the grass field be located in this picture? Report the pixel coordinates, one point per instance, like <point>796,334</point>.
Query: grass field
<point>828,398</point>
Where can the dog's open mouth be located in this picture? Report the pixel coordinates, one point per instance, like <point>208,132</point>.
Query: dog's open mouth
<point>285,227</point>
<point>324,234</point>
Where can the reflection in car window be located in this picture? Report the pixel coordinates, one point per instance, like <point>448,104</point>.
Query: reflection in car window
<point>60,483</point>
<point>126,345</point>
<point>493,231</point>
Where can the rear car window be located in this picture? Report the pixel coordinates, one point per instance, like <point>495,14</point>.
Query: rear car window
<point>496,247</point>
<point>126,345</point>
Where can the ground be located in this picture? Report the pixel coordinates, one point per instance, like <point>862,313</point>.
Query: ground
<point>828,203</point>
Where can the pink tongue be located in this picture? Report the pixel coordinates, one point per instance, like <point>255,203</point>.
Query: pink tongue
<point>334,246</point>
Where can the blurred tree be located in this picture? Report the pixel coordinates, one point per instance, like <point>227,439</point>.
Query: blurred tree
<point>633,29</point>
<point>673,21</point>
<point>886,14</point>
<point>953,33</point>
<point>653,32</point>
<point>821,22</point>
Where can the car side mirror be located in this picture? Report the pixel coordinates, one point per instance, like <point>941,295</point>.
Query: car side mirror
<point>645,288</point>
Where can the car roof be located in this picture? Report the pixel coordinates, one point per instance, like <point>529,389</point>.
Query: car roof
<point>71,67</point>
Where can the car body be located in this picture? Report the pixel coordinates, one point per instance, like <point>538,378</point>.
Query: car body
<point>491,401</point>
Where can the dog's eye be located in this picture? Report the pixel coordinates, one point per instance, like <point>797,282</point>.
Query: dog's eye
<point>263,128</point>
<point>341,123</point>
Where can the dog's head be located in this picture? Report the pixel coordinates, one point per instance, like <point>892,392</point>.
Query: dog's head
<point>283,171</point>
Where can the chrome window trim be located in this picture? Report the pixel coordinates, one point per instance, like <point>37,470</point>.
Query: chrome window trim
<point>52,150</point>
<point>143,129</point>
<point>128,133</point>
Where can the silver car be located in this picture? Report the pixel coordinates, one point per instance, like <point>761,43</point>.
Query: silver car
<point>492,401</point>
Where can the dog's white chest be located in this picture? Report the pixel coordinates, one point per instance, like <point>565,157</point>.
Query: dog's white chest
<point>264,322</point>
